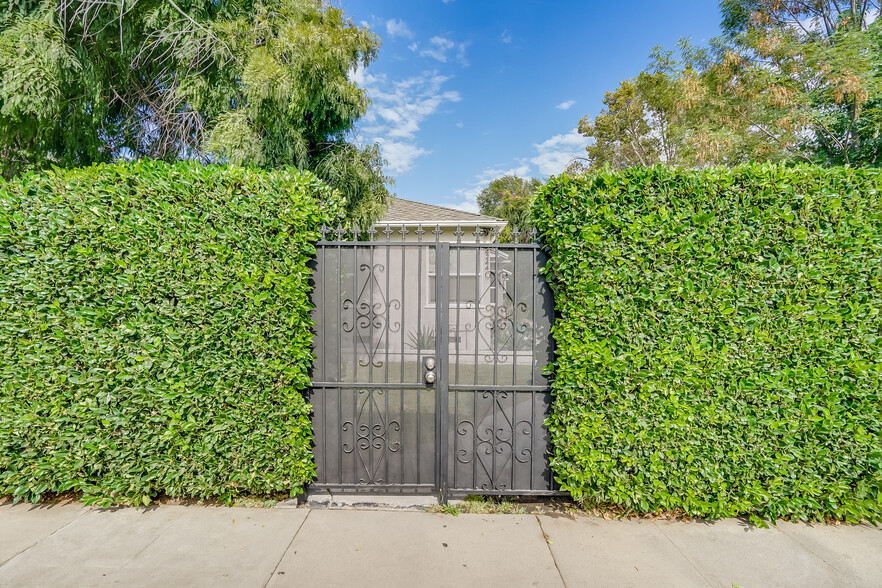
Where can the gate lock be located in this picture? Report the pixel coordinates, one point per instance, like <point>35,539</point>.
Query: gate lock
<point>430,367</point>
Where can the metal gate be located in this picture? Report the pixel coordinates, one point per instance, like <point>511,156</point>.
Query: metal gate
<point>429,364</point>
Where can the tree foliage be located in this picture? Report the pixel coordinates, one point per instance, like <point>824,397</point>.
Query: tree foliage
<point>252,82</point>
<point>787,81</point>
<point>510,198</point>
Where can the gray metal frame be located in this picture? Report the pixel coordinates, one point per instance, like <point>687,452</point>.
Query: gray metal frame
<point>478,428</point>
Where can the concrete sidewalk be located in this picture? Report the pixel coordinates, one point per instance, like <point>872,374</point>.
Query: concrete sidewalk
<point>70,545</point>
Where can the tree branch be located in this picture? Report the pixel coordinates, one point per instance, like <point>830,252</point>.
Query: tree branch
<point>219,40</point>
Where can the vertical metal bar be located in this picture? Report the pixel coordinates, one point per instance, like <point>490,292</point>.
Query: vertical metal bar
<point>419,367</point>
<point>388,298</point>
<point>514,435</point>
<point>323,331</point>
<point>533,338</point>
<point>456,377</point>
<point>419,361</point>
<point>370,403</point>
<point>457,302</point>
<point>370,340</point>
<point>403,309</point>
<point>455,434</point>
<point>442,347</point>
<point>322,328</point>
<point>355,293</point>
<point>339,337</point>
<point>355,448</point>
<point>514,317</point>
<point>370,357</point>
<point>401,357</point>
<point>496,314</point>
<point>475,438</point>
<point>494,403</point>
<point>340,430</point>
<point>477,306</point>
<point>532,430</point>
<point>514,361</point>
<point>480,273</point>
<point>535,280</point>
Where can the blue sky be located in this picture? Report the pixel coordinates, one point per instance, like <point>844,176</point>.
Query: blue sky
<point>468,90</point>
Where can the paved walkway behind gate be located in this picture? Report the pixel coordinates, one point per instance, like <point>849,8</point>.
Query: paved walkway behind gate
<point>69,545</point>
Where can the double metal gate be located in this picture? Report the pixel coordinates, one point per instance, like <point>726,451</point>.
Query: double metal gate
<point>429,364</point>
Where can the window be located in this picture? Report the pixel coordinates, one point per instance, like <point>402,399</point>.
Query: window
<point>463,277</point>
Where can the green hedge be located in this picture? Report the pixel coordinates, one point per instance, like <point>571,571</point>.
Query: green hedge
<point>720,339</point>
<point>154,331</point>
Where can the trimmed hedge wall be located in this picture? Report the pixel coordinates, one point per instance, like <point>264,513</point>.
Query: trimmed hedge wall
<point>154,331</point>
<point>720,340</point>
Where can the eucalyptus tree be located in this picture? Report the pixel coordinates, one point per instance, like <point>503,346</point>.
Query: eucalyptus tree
<point>266,83</point>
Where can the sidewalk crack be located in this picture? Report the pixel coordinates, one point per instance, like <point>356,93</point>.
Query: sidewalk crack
<point>680,551</point>
<point>290,543</point>
<point>550,551</point>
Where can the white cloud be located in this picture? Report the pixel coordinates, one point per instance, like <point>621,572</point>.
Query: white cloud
<point>469,196</point>
<point>460,53</point>
<point>440,47</point>
<point>460,125</point>
<point>505,37</point>
<point>399,107</point>
<point>398,28</point>
<point>553,156</point>
<point>565,105</point>
<point>401,156</point>
<point>556,153</point>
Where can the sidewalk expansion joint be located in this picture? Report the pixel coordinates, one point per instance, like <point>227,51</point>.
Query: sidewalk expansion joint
<point>290,543</point>
<point>842,573</point>
<point>680,551</point>
<point>550,551</point>
<point>79,516</point>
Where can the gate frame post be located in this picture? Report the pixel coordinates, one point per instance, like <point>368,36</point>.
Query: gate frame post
<point>442,345</point>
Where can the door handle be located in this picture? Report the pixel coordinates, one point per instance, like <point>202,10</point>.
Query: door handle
<point>430,370</point>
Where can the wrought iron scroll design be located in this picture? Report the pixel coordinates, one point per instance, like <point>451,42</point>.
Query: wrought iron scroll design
<point>491,441</point>
<point>496,325</point>
<point>371,434</point>
<point>369,315</point>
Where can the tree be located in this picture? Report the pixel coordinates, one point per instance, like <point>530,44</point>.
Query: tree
<point>509,198</point>
<point>788,81</point>
<point>641,122</point>
<point>252,82</point>
<point>691,107</point>
<point>824,59</point>
<point>622,134</point>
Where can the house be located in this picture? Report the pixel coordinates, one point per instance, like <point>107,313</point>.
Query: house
<point>412,215</point>
<point>412,273</point>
